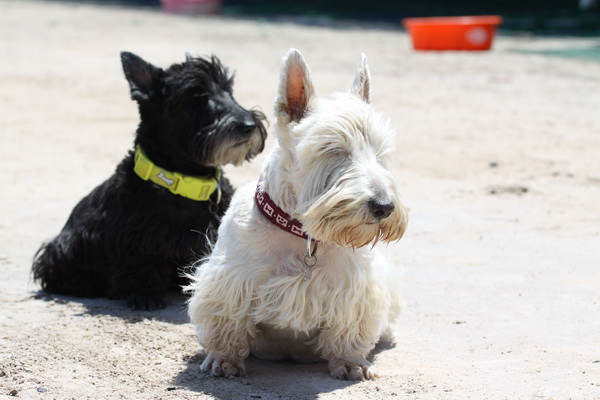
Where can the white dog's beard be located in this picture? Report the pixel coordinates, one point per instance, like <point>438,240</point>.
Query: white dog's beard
<point>347,224</point>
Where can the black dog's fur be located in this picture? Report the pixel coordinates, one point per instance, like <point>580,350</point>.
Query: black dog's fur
<point>129,237</point>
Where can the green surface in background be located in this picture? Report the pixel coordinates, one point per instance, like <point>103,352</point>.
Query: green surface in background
<point>581,53</point>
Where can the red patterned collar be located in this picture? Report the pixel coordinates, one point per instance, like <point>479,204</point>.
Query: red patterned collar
<point>277,216</point>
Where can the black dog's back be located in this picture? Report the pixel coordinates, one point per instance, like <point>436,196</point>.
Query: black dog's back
<point>58,264</point>
<point>131,235</point>
<point>127,239</point>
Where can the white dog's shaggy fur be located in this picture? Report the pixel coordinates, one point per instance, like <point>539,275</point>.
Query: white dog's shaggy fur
<point>328,171</point>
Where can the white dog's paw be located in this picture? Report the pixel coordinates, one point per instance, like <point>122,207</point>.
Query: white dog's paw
<point>225,366</point>
<point>351,369</point>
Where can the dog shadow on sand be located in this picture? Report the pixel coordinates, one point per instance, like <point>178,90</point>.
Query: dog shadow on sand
<point>175,312</point>
<point>266,380</point>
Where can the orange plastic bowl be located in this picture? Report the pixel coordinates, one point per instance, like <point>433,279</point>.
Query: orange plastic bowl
<point>452,33</point>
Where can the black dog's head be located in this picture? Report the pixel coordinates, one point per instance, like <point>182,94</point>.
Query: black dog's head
<point>189,118</point>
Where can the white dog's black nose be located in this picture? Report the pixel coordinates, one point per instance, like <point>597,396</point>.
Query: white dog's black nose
<point>380,208</point>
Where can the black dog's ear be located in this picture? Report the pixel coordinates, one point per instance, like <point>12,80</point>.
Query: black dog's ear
<point>141,76</point>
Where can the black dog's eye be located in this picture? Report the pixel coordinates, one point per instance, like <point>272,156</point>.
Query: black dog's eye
<point>200,99</point>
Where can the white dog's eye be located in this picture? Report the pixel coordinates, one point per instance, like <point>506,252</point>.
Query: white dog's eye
<point>337,152</point>
<point>333,150</point>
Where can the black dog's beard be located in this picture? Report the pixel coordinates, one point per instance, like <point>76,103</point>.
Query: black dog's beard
<point>226,143</point>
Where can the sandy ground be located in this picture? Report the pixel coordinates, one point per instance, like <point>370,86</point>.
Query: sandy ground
<point>498,159</point>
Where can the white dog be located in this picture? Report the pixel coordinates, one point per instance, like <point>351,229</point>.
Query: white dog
<point>291,275</point>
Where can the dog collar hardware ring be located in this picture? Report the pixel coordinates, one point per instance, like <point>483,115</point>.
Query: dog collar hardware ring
<point>213,207</point>
<point>310,259</point>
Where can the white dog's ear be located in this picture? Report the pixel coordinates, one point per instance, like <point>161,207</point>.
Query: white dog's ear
<point>296,90</point>
<point>362,81</point>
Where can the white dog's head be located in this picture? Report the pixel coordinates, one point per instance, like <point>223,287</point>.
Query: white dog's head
<point>335,153</point>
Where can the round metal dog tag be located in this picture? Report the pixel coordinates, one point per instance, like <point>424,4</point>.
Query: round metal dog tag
<point>310,261</point>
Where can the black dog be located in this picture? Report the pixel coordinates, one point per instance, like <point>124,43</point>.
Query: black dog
<point>131,235</point>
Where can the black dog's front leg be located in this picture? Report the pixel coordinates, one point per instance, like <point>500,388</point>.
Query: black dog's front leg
<point>143,286</point>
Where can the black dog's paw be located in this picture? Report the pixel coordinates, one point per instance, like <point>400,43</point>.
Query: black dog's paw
<point>145,302</point>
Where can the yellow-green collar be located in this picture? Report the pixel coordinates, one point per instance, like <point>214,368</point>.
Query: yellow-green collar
<point>191,187</point>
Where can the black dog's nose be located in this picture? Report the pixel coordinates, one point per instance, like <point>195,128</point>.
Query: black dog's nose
<point>380,208</point>
<point>247,126</point>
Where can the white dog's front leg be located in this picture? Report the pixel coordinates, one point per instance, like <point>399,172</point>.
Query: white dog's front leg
<point>226,344</point>
<point>346,348</point>
<point>219,310</point>
<point>224,339</point>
